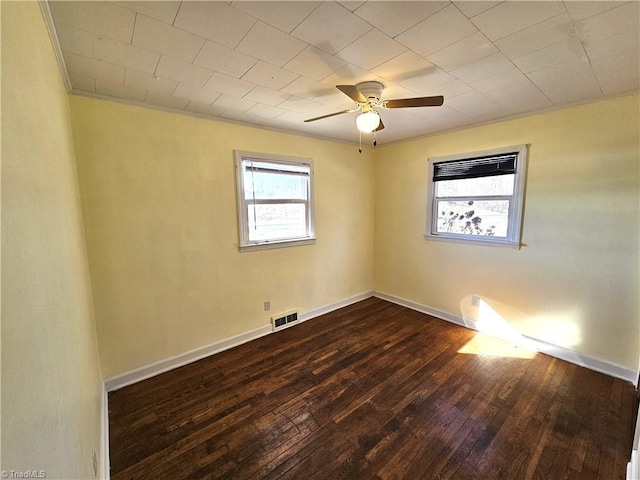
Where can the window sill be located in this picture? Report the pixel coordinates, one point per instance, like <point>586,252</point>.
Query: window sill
<point>268,245</point>
<point>480,241</point>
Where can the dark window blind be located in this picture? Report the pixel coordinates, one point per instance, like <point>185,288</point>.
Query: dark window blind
<point>475,167</point>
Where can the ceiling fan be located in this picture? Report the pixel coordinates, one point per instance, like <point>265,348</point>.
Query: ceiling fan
<point>367,97</point>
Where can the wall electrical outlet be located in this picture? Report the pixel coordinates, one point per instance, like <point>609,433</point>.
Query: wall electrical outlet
<point>475,301</point>
<point>267,305</point>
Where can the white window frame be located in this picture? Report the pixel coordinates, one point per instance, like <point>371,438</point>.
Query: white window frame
<point>243,221</point>
<point>516,201</point>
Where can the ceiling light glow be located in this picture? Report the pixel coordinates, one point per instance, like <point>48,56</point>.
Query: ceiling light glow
<point>368,122</point>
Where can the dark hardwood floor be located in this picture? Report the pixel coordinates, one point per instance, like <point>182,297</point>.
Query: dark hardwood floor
<point>372,391</point>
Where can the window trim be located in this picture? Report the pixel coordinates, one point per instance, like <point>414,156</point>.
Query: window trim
<point>244,243</point>
<point>516,208</point>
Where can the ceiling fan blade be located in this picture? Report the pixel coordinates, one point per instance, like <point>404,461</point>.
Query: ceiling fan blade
<point>327,116</point>
<point>380,127</point>
<point>353,93</point>
<point>415,102</point>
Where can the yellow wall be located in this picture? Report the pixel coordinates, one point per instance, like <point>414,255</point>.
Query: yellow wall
<point>159,204</point>
<point>575,281</point>
<point>51,383</point>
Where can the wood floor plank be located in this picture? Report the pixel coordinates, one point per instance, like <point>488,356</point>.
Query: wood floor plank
<point>372,391</point>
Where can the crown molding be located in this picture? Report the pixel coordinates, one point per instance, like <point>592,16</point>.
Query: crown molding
<point>55,42</point>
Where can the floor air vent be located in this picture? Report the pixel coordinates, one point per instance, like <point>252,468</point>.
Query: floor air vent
<point>284,320</point>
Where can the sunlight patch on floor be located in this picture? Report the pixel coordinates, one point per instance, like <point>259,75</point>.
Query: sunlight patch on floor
<point>496,337</point>
<point>483,344</point>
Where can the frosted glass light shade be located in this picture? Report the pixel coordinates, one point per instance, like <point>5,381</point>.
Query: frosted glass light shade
<point>368,122</point>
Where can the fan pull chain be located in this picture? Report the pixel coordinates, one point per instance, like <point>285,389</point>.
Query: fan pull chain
<point>360,148</point>
<point>375,142</point>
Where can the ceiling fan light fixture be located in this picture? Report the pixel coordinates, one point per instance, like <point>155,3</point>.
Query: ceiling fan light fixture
<point>368,122</point>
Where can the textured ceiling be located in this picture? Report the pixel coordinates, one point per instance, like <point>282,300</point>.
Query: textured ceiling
<point>276,63</point>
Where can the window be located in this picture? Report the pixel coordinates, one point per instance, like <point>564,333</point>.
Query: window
<point>477,197</point>
<point>275,201</point>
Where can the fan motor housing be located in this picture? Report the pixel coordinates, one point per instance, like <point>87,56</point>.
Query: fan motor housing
<point>371,90</point>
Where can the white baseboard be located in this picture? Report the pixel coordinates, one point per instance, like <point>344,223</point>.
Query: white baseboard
<point>434,312</point>
<point>633,469</point>
<point>104,468</point>
<point>316,312</point>
<point>556,351</point>
<point>156,368</point>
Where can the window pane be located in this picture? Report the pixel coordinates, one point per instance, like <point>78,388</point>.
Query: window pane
<point>275,185</point>
<point>487,218</point>
<point>276,221</point>
<point>473,187</point>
